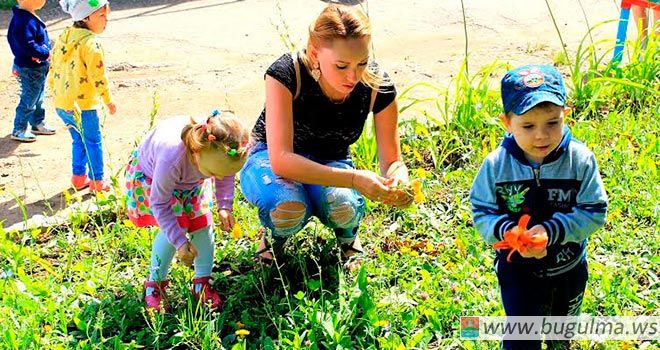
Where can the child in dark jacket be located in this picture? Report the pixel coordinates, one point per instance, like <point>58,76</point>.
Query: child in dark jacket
<point>29,42</point>
<point>539,170</point>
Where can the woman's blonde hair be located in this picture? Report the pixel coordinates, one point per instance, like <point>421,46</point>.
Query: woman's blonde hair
<point>221,131</point>
<point>342,22</point>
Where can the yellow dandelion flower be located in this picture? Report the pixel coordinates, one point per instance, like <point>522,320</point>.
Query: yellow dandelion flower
<point>382,323</point>
<point>459,244</point>
<point>416,185</point>
<point>418,195</point>
<point>418,156</point>
<point>237,231</point>
<point>242,332</point>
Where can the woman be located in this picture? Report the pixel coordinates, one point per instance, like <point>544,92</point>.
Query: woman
<point>317,103</point>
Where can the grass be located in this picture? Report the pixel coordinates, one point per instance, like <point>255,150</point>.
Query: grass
<point>79,286</point>
<point>7,4</point>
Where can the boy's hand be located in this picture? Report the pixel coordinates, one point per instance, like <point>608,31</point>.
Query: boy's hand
<point>187,254</point>
<point>536,233</point>
<point>112,108</point>
<point>226,219</point>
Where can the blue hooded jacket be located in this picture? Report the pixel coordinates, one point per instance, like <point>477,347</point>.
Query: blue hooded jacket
<point>28,39</point>
<point>565,194</point>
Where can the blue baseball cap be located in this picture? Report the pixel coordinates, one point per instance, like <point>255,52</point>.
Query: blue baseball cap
<point>527,86</point>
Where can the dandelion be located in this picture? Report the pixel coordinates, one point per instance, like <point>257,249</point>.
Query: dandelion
<point>417,191</point>
<point>382,323</point>
<point>242,332</point>
<point>460,245</point>
<point>418,156</point>
<point>237,231</point>
<point>426,276</point>
<point>423,173</point>
<point>240,325</point>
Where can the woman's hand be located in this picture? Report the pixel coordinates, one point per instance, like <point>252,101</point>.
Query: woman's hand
<point>371,185</point>
<point>399,198</point>
<point>397,173</point>
<point>226,219</point>
<point>187,254</point>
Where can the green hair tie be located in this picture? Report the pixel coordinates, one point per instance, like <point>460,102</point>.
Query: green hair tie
<point>93,3</point>
<point>232,152</point>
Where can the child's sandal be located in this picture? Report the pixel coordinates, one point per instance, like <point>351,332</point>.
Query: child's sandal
<point>156,300</point>
<point>206,294</point>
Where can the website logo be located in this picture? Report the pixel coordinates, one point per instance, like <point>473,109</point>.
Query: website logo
<point>469,327</point>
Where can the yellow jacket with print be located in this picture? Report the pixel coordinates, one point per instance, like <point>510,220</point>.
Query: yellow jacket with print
<point>77,72</point>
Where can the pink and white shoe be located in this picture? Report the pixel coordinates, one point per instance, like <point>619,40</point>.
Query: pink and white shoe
<point>207,294</point>
<point>155,300</point>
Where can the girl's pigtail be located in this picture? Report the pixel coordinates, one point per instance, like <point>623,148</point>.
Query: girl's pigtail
<point>192,136</point>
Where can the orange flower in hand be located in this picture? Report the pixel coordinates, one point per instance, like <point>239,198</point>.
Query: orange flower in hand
<point>518,240</point>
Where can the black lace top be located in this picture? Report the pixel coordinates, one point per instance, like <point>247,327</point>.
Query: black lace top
<point>321,128</point>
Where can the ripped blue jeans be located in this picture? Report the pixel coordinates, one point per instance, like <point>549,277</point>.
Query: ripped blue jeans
<point>285,206</point>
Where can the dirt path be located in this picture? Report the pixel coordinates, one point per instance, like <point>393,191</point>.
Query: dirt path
<point>201,54</point>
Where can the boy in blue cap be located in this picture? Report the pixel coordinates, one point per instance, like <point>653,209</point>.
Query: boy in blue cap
<point>29,42</point>
<point>541,171</point>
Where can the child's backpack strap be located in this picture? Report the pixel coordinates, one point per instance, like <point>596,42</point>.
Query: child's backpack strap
<point>296,67</point>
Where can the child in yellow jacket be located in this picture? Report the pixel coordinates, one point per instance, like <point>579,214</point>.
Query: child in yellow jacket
<point>79,83</point>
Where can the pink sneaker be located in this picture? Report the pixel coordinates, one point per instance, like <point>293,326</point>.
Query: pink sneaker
<point>155,301</point>
<point>208,295</point>
<point>99,186</point>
